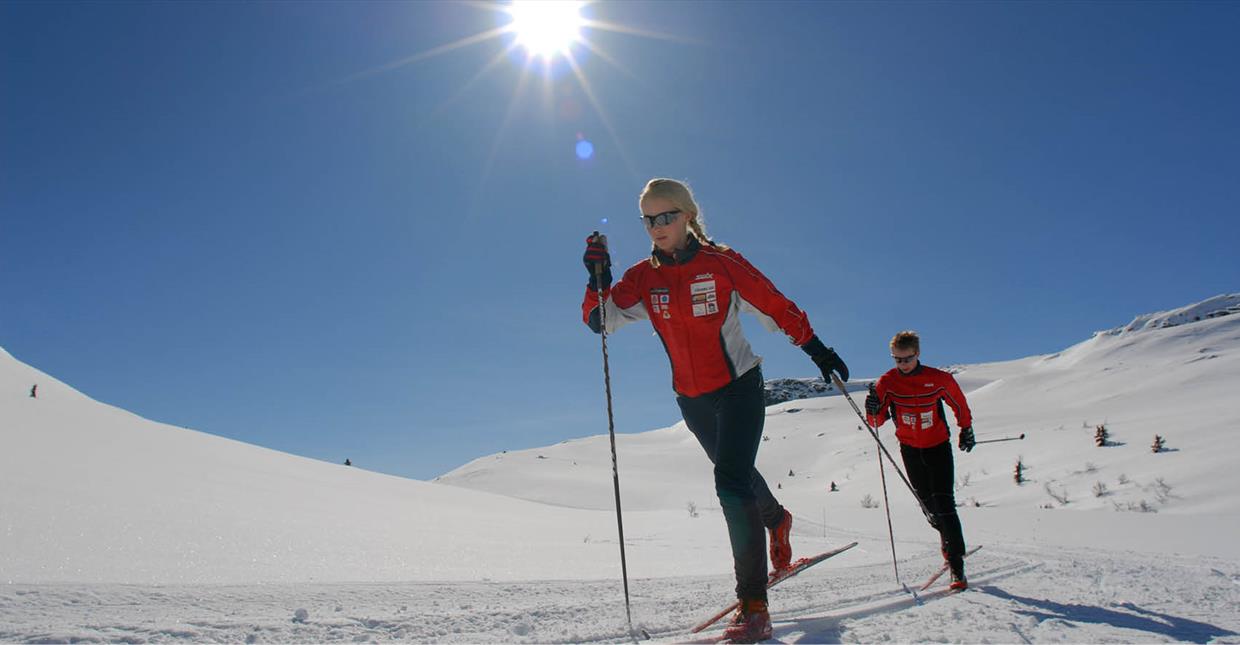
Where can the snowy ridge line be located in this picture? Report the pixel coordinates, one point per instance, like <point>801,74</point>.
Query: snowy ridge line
<point>1216,307</point>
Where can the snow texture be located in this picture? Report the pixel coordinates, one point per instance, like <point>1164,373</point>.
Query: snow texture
<point>114,528</point>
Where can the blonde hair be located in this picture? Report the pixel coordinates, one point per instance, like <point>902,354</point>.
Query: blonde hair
<point>906,340</point>
<point>681,196</point>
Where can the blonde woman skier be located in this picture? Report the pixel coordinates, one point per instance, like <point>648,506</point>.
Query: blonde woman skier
<point>692,290</point>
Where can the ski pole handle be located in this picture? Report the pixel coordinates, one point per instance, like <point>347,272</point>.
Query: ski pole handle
<point>598,267</point>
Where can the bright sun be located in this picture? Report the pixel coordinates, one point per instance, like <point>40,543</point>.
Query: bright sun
<point>546,27</point>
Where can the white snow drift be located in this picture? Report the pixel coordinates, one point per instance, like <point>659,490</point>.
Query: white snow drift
<point>117,528</point>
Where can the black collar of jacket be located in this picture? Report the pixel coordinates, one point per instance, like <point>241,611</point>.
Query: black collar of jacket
<point>913,372</point>
<point>681,256</point>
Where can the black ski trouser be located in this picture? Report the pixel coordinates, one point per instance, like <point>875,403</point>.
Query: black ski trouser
<point>728,423</point>
<point>931,472</point>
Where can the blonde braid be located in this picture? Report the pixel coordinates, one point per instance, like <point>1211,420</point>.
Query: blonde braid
<point>698,229</point>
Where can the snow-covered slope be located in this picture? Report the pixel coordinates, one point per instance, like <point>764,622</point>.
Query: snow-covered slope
<point>1146,378</point>
<point>92,493</point>
<point>116,528</point>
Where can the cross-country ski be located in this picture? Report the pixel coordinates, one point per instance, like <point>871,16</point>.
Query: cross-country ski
<point>943,569</point>
<point>776,578</point>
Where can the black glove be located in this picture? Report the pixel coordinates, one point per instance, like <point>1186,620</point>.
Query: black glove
<point>598,262</point>
<point>826,359</point>
<point>967,441</point>
<point>871,400</point>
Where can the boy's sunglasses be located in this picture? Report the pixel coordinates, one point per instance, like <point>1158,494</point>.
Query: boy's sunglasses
<point>903,359</point>
<point>661,219</point>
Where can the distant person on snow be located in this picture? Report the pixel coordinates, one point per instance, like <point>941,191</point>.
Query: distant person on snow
<point>34,391</point>
<point>912,394</point>
<point>693,289</point>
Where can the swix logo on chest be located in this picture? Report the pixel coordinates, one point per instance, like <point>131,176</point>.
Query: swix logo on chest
<point>704,295</point>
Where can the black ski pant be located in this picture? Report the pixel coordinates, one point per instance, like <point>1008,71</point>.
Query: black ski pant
<point>728,423</point>
<point>931,473</point>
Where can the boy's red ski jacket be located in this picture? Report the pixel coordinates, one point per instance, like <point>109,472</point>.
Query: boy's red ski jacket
<point>915,401</point>
<point>693,301</point>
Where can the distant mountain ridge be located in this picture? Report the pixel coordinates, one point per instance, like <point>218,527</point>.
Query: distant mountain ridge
<point>1216,307</point>
<point>780,390</point>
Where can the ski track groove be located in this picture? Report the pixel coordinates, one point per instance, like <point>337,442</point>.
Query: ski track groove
<point>1017,594</point>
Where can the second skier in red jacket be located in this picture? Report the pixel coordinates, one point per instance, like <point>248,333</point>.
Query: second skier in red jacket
<point>912,395</point>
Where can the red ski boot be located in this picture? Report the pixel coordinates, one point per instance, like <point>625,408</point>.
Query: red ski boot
<point>750,624</point>
<point>781,547</point>
<point>959,583</point>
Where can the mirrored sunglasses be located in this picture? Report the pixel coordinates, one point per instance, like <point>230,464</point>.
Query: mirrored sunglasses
<point>661,219</point>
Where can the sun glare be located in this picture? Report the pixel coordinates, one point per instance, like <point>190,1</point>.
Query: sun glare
<point>556,39</point>
<point>546,27</point>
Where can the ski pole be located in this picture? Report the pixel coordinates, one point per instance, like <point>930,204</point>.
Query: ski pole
<point>1022,436</point>
<point>611,431</point>
<point>882,474</point>
<point>925,511</point>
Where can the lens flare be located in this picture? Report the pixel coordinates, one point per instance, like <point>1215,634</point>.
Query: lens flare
<point>585,149</point>
<point>546,28</point>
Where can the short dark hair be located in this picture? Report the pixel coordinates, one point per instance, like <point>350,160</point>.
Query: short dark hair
<point>906,340</point>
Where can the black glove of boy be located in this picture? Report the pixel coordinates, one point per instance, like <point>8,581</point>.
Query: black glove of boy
<point>967,441</point>
<point>871,400</point>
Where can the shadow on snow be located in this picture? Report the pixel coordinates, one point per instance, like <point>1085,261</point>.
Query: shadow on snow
<point>829,629</point>
<point>1135,618</point>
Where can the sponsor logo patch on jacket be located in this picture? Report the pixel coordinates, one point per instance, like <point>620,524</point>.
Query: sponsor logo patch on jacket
<point>704,296</point>
<point>916,421</point>
<point>660,302</point>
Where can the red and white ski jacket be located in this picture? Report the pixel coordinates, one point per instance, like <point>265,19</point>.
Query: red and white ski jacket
<point>915,401</point>
<point>693,301</point>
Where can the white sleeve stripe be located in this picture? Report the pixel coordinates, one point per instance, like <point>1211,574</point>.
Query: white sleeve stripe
<point>744,305</point>
<point>617,317</point>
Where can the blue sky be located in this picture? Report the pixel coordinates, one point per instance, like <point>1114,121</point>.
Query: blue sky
<point>240,218</point>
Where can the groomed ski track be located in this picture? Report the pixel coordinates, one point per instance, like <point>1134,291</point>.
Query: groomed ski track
<point>1016,595</point>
